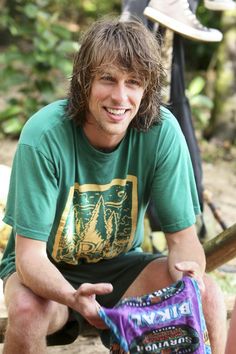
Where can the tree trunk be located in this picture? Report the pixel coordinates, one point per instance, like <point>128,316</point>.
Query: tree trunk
<point>220,249</point>
<point>223,120</point>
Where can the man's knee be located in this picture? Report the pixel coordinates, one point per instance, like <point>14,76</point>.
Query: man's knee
<point>212,291</point>
<point>213,299</point>
<point>153,277</point>
<point>28,311</point>
<point>25,311</point>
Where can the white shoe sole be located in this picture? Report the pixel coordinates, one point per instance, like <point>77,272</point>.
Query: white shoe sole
<point>224,5</point>
<point>179,27</point>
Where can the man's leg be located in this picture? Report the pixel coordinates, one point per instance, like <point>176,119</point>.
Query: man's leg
<point>153,277</point>
<point>231,340</point>
<point>156,276</point>
<point>215,315</point>
<point>30,319</point>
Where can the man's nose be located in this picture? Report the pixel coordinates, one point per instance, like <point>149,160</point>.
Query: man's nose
<point>119,93</point>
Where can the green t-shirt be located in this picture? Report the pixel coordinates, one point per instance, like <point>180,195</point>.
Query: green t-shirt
<point>89,205</point>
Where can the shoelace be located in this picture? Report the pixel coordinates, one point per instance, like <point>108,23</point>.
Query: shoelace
<point>191,15</point>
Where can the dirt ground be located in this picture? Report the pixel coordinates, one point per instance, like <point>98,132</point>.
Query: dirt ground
<point>219,177</point>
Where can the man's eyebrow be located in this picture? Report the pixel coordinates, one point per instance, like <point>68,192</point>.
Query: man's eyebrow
<point>135,76</point>
<point>104,73</point>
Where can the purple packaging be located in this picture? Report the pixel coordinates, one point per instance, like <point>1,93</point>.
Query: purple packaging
<point>168,321</point>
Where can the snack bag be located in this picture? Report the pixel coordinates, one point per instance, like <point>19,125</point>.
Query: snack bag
<point>167,321</point>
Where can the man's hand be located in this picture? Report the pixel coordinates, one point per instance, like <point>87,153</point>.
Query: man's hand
<point>186,255</point>
<point>86,304</point>
<point>192,269</point>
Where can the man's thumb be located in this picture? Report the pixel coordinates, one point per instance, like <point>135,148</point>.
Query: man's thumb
<point>95,289</point>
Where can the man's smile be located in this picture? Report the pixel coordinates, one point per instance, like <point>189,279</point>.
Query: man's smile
<point>116,111</point>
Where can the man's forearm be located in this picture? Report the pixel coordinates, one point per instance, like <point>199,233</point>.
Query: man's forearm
<point>39,274</point>
<point>185,246</point>
<point>175,258</point>
<point>45,280</point>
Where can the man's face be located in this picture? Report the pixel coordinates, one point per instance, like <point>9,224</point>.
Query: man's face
<point>114,101</point>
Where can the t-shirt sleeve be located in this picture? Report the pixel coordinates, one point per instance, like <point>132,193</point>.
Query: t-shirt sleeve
<point>32,194</point>
<point>174,189</point>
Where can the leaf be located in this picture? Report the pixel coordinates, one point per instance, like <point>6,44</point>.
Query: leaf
<point>12,54</point>
<point>67,47</point>
<point>31,10</point>
<point>196,86</point>
<point>13,126</point>
<point>89,6</point>
<point>61,31</point>
<point>13,29</point>
<point>201,101</point>
<point>44,86</point>
<point>9,112</point>
<point>42,3</point>
<point>13,79</point>
<point>65,66</point>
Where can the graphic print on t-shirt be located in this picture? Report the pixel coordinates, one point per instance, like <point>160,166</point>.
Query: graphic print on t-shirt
<point>98,221</point>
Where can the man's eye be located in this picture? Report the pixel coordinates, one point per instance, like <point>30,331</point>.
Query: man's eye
<point>107,78</point>
<point>135,82</point>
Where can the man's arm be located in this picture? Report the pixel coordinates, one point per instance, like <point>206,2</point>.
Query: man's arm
<point>36,272</point>
<point>186,254</point>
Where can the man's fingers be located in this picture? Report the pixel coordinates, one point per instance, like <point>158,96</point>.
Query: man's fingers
<point>191,269</point>
<point>88,289</point>
<point>187,266</point>
<point>98,324</point>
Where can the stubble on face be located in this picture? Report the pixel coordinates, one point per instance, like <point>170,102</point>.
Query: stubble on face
<point>114,101</point>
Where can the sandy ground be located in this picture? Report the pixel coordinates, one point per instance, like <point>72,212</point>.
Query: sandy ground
<point>218,177</point>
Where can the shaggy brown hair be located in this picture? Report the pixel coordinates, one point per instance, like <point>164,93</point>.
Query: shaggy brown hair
<point>131,47</point>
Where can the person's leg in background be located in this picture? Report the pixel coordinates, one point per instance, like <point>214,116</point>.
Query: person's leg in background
<point>178,15</point>
<point>134,8</point>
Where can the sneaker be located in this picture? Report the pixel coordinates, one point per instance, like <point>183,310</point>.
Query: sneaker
<point>220,5</point>
<point>176,15</point>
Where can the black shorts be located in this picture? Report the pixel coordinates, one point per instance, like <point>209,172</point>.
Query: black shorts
<point>120,272</point>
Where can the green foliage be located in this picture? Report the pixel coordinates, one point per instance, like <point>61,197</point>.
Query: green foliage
<point>201,105</point>
<point>38,39</point>
<point>90,10</point>
<point>36,60</point>
<point>226,281</point>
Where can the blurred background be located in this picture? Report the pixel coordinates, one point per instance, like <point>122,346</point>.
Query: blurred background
<point>38,39</point>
